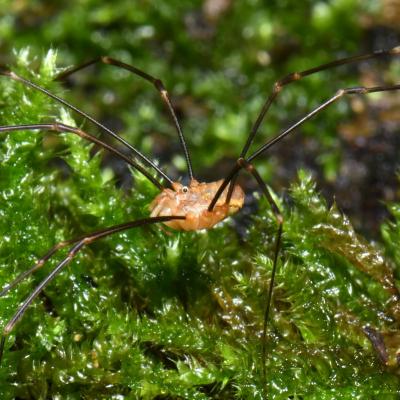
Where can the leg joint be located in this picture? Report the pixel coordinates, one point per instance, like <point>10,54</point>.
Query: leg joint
<point>244,164</point>
<point>88,240</point>
<point>160,87</point>
<point>278,86</point>
<point>57,127</point>
<point>279,217</point>
<point>105,60</point>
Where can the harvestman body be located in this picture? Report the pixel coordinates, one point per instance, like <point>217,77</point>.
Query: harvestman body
<point>196,206</point>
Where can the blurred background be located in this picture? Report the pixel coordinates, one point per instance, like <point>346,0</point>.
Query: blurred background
<point>219,60</point>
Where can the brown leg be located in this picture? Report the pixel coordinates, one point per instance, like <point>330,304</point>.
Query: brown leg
<point>242,163</point>
<point>157,84</point>
<point>339,94</point>
<point>59,127</point>
<point>78,244</point>
<point>279,85</point>
<point>247,165</point>
<point>296,76</point>
<point>12,75</point>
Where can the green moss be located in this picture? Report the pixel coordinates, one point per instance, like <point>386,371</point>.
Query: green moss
<point>219,68</point>
<point>145,314</point>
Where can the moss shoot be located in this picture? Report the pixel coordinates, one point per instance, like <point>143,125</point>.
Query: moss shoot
<point>149,314</point>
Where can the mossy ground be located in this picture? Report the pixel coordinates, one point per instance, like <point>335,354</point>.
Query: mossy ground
<point>146,314</point>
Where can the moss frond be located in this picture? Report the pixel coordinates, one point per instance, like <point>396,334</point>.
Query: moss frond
<point>145,314</point>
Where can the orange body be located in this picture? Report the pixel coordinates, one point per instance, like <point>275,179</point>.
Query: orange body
<point>192,202</point>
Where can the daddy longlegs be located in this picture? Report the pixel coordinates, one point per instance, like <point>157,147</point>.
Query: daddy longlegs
<point>195,206</point>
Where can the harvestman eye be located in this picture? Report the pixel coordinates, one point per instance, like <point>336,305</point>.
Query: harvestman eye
<point>194,214</point>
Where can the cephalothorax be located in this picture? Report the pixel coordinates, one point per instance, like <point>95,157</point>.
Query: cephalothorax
<point>193,201</point>
<point>193,207</point>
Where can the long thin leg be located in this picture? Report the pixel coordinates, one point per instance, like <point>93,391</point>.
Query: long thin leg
<point>339,94</point>
<point>41,261</point>
<point>157,84</point>
<point>12,75</point>
<point>361,90</point>
<point>246,164</point>
<point>242,163</point>
<point>294,77</point>
<point>60,127</point>
<point>80,243</point>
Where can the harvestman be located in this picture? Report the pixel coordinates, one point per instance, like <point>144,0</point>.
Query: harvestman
<point>193,207</point>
